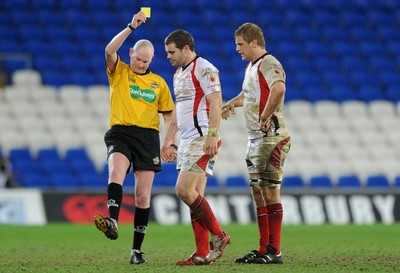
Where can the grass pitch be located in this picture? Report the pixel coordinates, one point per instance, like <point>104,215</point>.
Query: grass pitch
<point>82,248</point>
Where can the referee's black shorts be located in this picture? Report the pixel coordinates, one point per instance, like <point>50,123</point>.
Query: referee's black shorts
<point>140,145</point>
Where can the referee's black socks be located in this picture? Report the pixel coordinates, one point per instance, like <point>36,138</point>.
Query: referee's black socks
<point>114,199</point>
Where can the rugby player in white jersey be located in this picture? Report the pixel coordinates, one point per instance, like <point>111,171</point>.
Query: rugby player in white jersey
<point>262,98</point>
<point>197,117</point>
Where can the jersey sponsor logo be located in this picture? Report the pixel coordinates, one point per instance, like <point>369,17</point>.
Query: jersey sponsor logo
<point>145,94</point>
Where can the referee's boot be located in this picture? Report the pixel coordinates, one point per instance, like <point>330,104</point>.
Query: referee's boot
<point>107,225</point>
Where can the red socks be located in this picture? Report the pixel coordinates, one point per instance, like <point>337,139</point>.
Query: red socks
<point>262,221</point>
<point>201,207</point>
<point>275,215</point>
<point>200,234</point>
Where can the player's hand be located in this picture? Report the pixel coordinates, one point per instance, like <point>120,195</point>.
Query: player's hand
<point>210,147</point>
<point>168,154</point>
<point>138,19</point>
<point>226,109</point>
<point>265,124</point>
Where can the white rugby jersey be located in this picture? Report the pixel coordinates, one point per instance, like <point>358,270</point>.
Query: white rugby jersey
<point>191,86</point>
<point>256,86</point>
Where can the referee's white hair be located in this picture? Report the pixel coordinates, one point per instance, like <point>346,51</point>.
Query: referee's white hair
<point>143,43</point>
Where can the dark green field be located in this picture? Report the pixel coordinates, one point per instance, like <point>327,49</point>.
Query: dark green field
<point>74,248</point>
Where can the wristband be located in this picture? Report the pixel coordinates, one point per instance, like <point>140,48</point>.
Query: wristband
<point>212,132</point>
<point>130,27</point>
<point>174,145</point>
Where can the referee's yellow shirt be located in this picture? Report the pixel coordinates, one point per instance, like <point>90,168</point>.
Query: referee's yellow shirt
<point>136,100</point>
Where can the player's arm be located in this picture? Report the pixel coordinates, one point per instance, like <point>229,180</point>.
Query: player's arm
<point>231,104</point>
<point>119,39</point>
<point>215,101</point>
<point>275,98</point>
<point>169,149</point>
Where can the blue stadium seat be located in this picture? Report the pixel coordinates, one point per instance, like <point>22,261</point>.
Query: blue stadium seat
<point>376,63</point>
<point>53,18</point>
<point>82,166</point>
<point>43,4</point>
<point>298,18</point>
<point>98,5</point>
<point>55,78</point>
<point>46,63</point>
<point>361,34</point>
<point>22,170</point>
<point>83,77</point>
<point>95,180</point>
<point>37,180</point>
<point>363,78</point>
<point>236,182</point>
<point>12,46</point>
<point>333,33</point>
<point>377,181</point>
<point>307,78</point>
<point>292,182</point>
<point>212,182</point>
<point>372,48</point>
<point>349,181</point>
<point>316,93</point>
<point>323,18</point>
<point>65,181</point>
<point>321,64</point>
<point>397,181</point>
<point>20,154</point>
<point>293,94</point>
<point>289,49</point>
<point>48,154</point>
<point>316,49</point>
<point>72,4</point>
<point>73,154</point>
<point>388,33</point>
<point>353,63</point>
<point>54,166</point>
<point>333,77</point>
<point>320,182</point>
<point>23,18</point>
<point>344,48</point>
<point>306,33</point>
<point>389,78</point>
<point>393,94</point>
<point>351,17</point>
<point>378,17</point>
<point>370,93</point>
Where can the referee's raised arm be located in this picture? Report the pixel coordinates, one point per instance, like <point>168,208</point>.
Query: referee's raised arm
<point>119,39</point>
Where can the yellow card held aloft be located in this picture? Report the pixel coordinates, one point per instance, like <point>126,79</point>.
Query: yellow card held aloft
<point>146,11</point>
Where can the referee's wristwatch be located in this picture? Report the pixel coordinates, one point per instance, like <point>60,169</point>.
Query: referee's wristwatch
<point>130,27</point>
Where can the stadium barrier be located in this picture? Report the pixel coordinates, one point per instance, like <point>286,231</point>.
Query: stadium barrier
<point>236,207</point>
<point>22,207</point>
<point>33,207</point>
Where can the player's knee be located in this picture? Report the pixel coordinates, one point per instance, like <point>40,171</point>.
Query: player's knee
<point>181,191</point>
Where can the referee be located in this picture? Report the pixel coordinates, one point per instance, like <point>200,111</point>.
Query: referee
<point>137,96</point>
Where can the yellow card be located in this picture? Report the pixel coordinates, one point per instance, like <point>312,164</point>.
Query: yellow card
<point>146,11</point>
